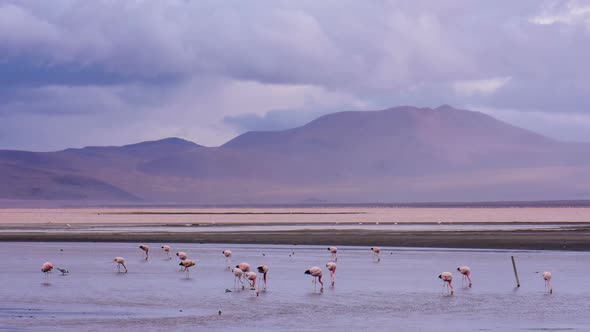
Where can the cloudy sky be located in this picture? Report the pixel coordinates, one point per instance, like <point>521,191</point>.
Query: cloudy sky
<point>76,73</point>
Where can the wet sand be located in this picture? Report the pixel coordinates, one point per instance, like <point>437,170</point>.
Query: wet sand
<point>509,228</point>
<point>574,239</point>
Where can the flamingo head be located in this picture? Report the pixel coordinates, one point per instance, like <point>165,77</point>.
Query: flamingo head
<point>307,272</point>
<point>440,276</point>
<point>458,269</point>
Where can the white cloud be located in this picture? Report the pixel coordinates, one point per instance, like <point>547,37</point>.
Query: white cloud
<point>485,86</point>
<point>572,12</point>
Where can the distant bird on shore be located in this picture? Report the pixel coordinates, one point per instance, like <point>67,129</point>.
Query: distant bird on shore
<point>167,251</point>
<point>376,253</point>
<point>466,272</point>
<point>46,268</point>
<point>186,264</point>
<point>316,273</point>
<point>63,271</point>
<point>264,270</point>
<point>146,250</point>
<point>547,278</point>
<point>447,278</point>
<point>333,251</point>
<point>227,254</point>
<point>332,268</point>
<point>238,278</point>
<point>251,277</point>
<point>120,262</point>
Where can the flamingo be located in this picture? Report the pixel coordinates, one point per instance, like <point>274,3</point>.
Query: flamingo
<point>547,278</point>
<point>227,254</point>
<point>46,268</point>
<point>376,253</point>
<point>182,256</point>
<point>251,276</point>
<point>245,267</point>
<point>146,249</point>
<point>332,268</point>
<point>316,273</point>
<point>264,270</point>
<point>333,251</point>
<point>447,278</point>
<point>466,272</point>
<point>167,251</point>
<point>238,278</point>
<point>186,264</point>
<point>120,262</point>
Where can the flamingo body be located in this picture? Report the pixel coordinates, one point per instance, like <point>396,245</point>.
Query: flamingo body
<point>466,272</point>
<point>120,262</point>
<point>316,273</point>
<point>447,278</point>
<point>264,270</point>
<point>332,268</point>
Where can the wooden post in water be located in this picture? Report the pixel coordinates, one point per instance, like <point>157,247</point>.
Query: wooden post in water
<point>515,272</point>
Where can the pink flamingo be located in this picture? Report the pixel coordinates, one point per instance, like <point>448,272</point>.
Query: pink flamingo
<point>316,273</point>
<point>333,251</point>
<point>120,262</point>
<point>466,272</point>
<point>376,253</point>
<point>251,276</point>
<point>264,270</point>
<point>447,278</point>
<point>227,254</point>
<point>332,268</point>
<point>182,256</point>
<point>245,267</point>
<point>46,268</point>
<point>167,251</point>
<point>238,278</point>
<point>146,249</point>
<point>547,278</point>
<point>186,264</point>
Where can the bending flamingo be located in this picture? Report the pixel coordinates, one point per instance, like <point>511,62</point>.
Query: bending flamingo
<point>447,278</point>
<point>227,254</point>
<point>46,268</point>
<point>332,268</point>
<point>145,249</point>
<point>120,262</point>
<point>316,273</point>
<point>182,256</point>
<point>264,270</point>
<point>333,251</point>
<point>186,264</point>
<point>245,267</point>
<point>376,253</point>
<point>466,272</point>
<point>238,278</point>
<point>167,251</point>
<point>251,276</point>
<point>547,278</point>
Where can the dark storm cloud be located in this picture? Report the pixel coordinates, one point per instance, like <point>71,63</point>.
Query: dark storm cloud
<point>209,69</point>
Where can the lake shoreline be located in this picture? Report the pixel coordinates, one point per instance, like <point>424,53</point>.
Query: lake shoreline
<point>571,239</point>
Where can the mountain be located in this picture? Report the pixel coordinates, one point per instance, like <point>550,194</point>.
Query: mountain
<point>399,154</point>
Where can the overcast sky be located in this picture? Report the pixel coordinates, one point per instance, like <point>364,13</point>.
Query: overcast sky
<point>76,73</point>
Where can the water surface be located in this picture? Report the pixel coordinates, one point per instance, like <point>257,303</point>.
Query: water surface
<point>399,293</point>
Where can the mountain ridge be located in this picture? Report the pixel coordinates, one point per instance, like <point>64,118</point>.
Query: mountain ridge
<point>398,154</point>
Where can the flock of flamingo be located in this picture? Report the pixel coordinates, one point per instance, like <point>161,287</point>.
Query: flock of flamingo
<point>243,275</point>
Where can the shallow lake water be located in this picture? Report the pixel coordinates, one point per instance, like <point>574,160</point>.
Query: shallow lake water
<point>401,292</point>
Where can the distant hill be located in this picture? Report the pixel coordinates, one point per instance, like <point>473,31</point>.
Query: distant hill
<point>402,154</point>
